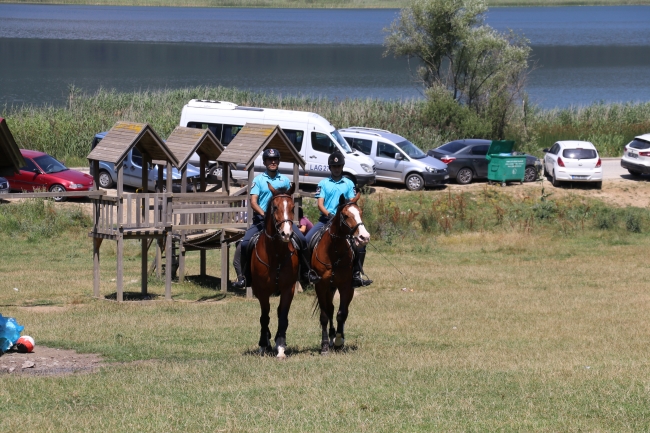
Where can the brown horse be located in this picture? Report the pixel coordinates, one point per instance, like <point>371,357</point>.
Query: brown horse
<point>274,267</point>
<point>332,259</point>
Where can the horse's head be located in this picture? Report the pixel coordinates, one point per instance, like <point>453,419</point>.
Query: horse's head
<point>350,216</point>
<point>280,212</point>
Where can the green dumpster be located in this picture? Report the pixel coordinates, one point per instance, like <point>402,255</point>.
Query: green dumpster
<point>503,166</point>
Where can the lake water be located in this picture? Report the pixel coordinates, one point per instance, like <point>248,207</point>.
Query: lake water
<point>583,54</point>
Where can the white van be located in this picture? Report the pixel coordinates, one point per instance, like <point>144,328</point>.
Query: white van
<point>312,135</point>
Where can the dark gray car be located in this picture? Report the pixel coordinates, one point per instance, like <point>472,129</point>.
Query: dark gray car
<point>466,160</point>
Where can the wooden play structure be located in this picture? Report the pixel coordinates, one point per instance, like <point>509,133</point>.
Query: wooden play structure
<point>195,221</point>
<point>10,158</point>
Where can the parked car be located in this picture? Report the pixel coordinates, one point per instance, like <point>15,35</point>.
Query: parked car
<point>133,172</point>
<point>636,156</point>
<point>466,160</point>
<point>575,161</point>
<point>396,159</point>
<point>4,186</point>
<point>45,172</point>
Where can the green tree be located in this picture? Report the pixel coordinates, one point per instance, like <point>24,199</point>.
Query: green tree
<point>462,59</point>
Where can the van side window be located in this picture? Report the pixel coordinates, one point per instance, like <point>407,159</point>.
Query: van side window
<point>386,150</point>
<point>322,143</point>
<point>216,128</point>
<point>295,137</point>
<point>136,157</point>
<point>363,146</point>
<point>229,132</point>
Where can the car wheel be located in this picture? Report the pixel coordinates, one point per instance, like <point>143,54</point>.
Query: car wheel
<point>57,188</point>
<point>464,176</point>
<point>105,179</point>
<point>599,185</point>
<point>554,181</point>
<point>414,182</point>
<point>634,173</point>
<point>530,175</point>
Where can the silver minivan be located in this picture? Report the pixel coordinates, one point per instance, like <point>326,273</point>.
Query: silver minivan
<point>397,159</point>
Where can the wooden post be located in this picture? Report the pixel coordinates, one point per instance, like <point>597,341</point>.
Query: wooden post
<point>225,262</point>
<point>169,177</point>
<point>159,241</point>
<point>202,163</point>
<point>97,242</point>
<point>120,236</point>
<point>181,248</point>
<point>95,165</point>
<point>251,177</point>
<point>296,195</point>
<point>168,245</point>
<point>144,275</point>
<point>225,178</point>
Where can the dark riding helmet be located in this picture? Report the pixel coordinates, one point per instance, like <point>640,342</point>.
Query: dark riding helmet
<point>336,158</point>
<point>270,153</point>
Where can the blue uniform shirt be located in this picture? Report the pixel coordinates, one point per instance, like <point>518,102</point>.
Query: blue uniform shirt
<point>331,190</point>
<point>261,189</point>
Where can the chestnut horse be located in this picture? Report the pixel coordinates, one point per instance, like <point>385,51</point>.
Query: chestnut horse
<point>274,267</point>
<point>332,259</point>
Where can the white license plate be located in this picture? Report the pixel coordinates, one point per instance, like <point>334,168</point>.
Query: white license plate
<point>632,155</point>
<point>446,177</point>
<point>579,177</point>
<point>4,191</point>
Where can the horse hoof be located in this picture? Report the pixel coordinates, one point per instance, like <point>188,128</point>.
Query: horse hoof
<point>325,348</point>
<point>281,354</point>
<point>339,342</point>
<point>262,351</point>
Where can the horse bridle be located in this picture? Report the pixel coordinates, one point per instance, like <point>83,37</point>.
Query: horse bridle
<point>277,224</point>
<point>342,222</point>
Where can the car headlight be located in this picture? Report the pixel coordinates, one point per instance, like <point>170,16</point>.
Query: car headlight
<point>76,185</point>
<point>431,169</point>
<point>366,168</point>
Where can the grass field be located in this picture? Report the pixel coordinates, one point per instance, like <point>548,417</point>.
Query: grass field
<point>508,326</point>
<point>345,4</point>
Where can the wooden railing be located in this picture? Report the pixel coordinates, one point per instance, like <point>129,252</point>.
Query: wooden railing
<point>201,211</point>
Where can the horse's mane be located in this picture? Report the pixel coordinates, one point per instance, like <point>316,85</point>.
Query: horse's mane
<point>281,190</point>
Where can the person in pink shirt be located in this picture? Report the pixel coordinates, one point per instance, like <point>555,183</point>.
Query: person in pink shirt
<point>305,225</point>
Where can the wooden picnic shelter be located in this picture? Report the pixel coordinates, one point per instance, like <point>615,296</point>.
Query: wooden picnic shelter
<point>128,216</point>
<point>10,158</point>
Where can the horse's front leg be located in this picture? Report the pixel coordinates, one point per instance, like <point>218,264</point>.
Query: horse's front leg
<point>265,332</point>
<point>326,306</point>
<point>346,293</point>
<point>283,320</point>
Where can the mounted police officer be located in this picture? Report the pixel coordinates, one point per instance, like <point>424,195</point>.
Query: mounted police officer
<point>328,193</point>
<point>260,197</point>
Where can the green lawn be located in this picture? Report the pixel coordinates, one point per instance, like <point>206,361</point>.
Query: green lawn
<point>505,328</point>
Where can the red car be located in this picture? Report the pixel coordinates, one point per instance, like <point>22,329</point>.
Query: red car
<point>45,172</point>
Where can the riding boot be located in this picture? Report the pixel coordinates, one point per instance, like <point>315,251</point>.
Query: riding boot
<point>238,265</point>
<point>307,274</point>
<point>241,277</point>
<point>357,270</point>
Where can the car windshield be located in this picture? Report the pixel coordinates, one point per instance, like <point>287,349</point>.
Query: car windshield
<point>344,144</point>
<point>49,165</point>
<point>580,154</point>
<point>452,147</point>
<point>411,149</point>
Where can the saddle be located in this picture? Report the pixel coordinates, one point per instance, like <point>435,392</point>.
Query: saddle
<point>313,243</point>
<point>249,253</point>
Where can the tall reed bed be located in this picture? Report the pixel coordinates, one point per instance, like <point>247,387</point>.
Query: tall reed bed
<point>66,132</point>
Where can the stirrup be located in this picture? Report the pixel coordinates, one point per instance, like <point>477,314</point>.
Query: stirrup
<point>358,281</point>
<point>310,277</point>
<point>239,284</point>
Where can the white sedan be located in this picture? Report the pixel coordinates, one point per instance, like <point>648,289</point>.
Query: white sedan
<point>573,161</point>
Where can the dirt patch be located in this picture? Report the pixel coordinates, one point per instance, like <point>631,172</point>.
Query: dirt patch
<point>46,361</point>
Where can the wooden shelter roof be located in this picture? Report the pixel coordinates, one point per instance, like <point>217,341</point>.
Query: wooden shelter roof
<point>10,158</point>
<point>253,139</point>
<point>184,141</point>
<point>123,136</point>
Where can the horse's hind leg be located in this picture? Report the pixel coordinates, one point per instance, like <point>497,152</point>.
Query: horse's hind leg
<point>341,316</point>
<point>265,332</point>
<point>283,321</point>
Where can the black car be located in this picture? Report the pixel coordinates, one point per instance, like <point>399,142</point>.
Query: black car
<point>466,160</point>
